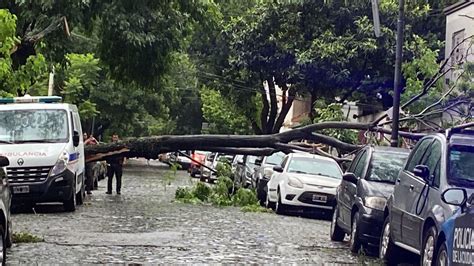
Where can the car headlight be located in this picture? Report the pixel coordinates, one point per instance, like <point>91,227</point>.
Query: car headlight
<point>267,173</point>
<point>295,182</point>
<point>61,164</point>
<point>377,203</point>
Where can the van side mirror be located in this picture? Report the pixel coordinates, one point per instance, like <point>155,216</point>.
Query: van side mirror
<point>422,171</point>
<point>4,161</point>
<point>75,139</point>
<point>454,196</point>
<point>350,177</point>
<point>278,169</point>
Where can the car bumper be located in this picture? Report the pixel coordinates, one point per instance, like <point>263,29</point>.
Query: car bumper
<point>309,197</point>
<point>55,189</point>
<point>370,226</point>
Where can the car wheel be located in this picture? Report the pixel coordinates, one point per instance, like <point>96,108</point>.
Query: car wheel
<point>280,208</point>
<point>3,246</point>
<point>442,257</point>
<point>202,178</point>
<point>9,241</point>
<point>337,234</point>
<point>388,251</point>
<point>428,250</point>
<point>354,242</point>
<point>268,203</point>
<point>96,184</point>
<point>193,174</point>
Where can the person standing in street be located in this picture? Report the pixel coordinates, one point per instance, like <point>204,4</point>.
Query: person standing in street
<point>114,167</point>
<point>89,140</point>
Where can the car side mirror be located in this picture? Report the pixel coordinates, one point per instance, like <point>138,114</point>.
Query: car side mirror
<point>422,171</point>
<point>259,161</point>
<point>4,161</point>
<point>240,161</point>
<point>350,177</point>
<point>455,196</point>
<point>75,139</point>
<point>278,169</point>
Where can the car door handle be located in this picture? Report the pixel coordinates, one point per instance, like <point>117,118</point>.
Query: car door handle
<point>412,187</point>
<point>398,180</point>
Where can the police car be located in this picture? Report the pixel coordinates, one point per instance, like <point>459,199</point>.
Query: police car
<point>456,239</point>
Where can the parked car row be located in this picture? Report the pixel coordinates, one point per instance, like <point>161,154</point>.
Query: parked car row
<point>422,204</point>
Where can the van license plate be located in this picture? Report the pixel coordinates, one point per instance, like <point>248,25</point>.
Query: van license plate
<point>21,189</point>
<point>319,198</point>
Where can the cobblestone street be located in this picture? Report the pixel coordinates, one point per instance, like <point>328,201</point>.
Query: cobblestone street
<point>144,225</point>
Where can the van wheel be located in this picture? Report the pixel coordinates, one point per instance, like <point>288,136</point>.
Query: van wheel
<point>428,250</point>
<point>81,195</point>
<point>70,204</point>
<point>337,234</point>
<point>3,246</point>
<point>388,251</point>
<point>354,242</point>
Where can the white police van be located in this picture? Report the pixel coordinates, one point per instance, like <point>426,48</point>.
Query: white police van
<point>42,138</point>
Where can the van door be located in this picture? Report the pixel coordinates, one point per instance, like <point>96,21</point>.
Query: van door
<point>77,153</point>
<point>424,194</point>
<point>403,195</point>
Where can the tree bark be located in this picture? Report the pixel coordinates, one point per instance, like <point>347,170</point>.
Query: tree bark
<point>264,112</point>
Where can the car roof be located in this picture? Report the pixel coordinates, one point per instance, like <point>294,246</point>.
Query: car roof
<point>309,155</point>
<point>388,149</point>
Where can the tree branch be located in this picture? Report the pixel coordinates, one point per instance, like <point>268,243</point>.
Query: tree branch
<point>284,110</point>
<point>273,105</point>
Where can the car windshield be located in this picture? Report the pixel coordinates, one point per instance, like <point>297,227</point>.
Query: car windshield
<point>385,166</point>
<point>224,158</point>
<point>314,166</point>
<point>251,160</point>
<point>275,158</point>
<point>461,165</point>
<point>30,126</point>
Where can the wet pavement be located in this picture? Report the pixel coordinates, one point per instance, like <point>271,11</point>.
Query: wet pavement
<point>144,225</point>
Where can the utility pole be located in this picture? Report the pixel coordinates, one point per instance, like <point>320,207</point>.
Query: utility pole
<point>398,74</point>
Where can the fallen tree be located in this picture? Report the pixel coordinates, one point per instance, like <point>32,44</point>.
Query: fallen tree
<point>151,147</point>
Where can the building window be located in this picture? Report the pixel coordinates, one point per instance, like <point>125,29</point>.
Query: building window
<point>459,53</point>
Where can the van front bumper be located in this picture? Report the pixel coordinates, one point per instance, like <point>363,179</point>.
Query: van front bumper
<point>58,188</point>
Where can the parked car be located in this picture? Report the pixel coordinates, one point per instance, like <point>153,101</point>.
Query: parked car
<point>211,162</point>
<point>304,181</point>
<point>263,172</point>
<point>235,162</point>
<point>244,171</point>
<point>363,193</point>
<point>456,240</point>
<point>415,211</point>
<point>5,203</point>
<point>99,171</point>
<point>198,156</point>
<point>183,161</point>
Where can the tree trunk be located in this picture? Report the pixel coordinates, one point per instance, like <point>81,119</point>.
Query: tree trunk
<point>151,147</point>
<point>286,105</point>
<point>273,106</point>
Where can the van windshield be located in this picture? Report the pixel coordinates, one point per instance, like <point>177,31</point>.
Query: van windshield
<point>461,165</point>
<point>33,126</point>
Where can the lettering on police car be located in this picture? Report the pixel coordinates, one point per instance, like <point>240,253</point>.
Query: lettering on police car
<point>23,154</point>
<point>463,245</point>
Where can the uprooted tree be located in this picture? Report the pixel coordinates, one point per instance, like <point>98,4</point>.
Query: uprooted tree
<point>448,102</point>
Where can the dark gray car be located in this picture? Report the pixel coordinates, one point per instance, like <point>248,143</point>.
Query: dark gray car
<point>363,193</point>
<point>415,211</point>
<point>263,172</point>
